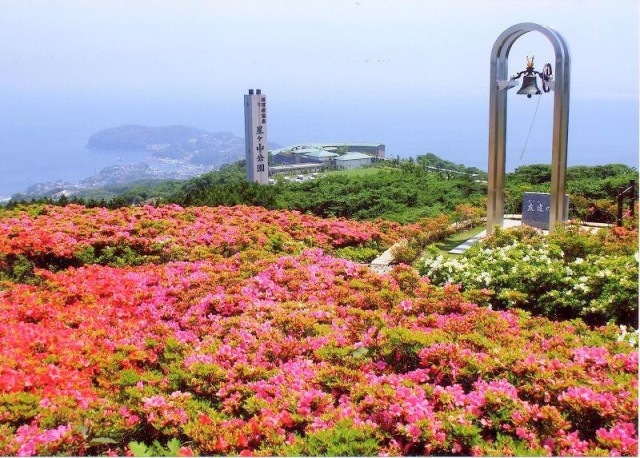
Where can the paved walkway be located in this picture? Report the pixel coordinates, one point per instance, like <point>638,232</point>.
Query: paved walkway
<point>383,262</point>
<point>512,221</point>
<point>464,246</point>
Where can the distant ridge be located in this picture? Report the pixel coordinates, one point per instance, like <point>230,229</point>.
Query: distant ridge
<point>135,137</point>
<point>197,146</point>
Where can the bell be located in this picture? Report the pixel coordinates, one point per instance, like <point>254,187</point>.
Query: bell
<point>529,86</point>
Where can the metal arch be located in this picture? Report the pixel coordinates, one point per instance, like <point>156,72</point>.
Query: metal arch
<point>498,122</point>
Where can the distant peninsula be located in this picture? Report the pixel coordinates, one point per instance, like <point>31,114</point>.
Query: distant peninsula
<point>182,143</point>
<point>175,153</point>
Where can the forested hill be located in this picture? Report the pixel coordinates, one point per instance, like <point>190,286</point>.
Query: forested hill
<point>136,137</point>
<point>430,160</point>
<point>398,190</point>
<point>409,190</point>
<point>403,192</point>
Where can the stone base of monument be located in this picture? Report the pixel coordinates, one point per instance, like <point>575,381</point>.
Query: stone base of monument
<point>536,209</point>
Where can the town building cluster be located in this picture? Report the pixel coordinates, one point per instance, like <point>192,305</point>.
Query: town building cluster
<point>316,156</point>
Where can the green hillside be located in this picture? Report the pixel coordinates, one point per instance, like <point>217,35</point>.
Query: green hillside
<point>396,190</point>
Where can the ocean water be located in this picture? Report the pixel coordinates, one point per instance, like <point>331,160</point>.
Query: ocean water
<point>46,154</point>
<point>38,146</point>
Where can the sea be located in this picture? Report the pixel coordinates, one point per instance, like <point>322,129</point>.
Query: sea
<point>42,147</point>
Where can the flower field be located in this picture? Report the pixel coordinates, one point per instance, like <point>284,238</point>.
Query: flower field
<point>75,235</point>
<point>239,331</point>
<point>571,273</point>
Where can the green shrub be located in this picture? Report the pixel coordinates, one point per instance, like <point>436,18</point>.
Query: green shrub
<point>155,449</point>
<point>343,439</point>
<point>19,408</point>
<point>595,278</point>
<point>404,252</point>
<point>358,254</point>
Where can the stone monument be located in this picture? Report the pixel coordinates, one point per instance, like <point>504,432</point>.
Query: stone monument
<point>536,209</point>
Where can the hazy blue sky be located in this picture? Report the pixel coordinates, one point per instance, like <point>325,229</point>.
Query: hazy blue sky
<point>347,68</point>
<point>340,48</point>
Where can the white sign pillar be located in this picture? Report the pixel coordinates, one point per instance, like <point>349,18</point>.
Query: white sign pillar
<point>499,84</point>
<point>255,136</point>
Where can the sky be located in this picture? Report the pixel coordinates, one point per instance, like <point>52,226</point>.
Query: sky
<point>333,70</point>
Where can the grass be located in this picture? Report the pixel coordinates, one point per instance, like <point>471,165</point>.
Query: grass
<point>364,171</point>
<point>456,239</point>
<point>449,243</point>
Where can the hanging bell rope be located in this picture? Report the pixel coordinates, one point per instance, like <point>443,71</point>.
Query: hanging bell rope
<point>526,142</point>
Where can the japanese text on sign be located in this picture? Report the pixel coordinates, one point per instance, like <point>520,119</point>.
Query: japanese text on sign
<point>538,207</point>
